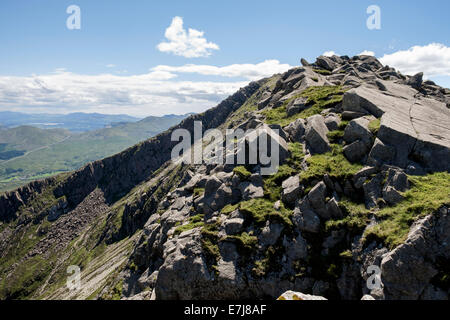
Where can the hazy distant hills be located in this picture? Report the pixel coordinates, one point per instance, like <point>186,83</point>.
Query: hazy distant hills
<point>28,153</point>
<point>76,122</point>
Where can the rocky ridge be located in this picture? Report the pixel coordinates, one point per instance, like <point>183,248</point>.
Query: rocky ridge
<point>363,181</point>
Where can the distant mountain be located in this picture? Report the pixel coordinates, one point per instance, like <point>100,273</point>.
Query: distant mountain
<point>75,122</point>
<point>28,153</point>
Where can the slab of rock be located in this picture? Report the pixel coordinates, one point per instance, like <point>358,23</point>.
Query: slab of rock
<point>292,295</point>
<point>415,126</point>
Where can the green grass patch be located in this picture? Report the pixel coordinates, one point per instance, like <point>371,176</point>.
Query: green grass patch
<point>319,98</point>
<point>332,163</point>
<point>297,155</point>
<point>322,72</point>
<point>247,241</point>
<point>229,208</point>
<point>242,172</point>
<point>374,126</point>
<point>198,192</point>
<point>356,217</point>
<point>335,136</point>
<point>426,195</point>
<point>262,210</point>
<point>272,184</point>
<point>194,222</point>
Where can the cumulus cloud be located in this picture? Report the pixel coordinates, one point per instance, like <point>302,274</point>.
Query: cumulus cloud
<point>329,54</point>
<point>154,93</point>
<point>189,44</point>
<point>157,92</point>
<point>367,53</point>
<point>247,71</point>
<point>432,59</point>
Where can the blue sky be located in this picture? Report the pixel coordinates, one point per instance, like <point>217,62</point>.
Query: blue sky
<point>117,46</point>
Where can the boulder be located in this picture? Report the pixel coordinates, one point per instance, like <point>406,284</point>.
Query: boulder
<point>296,130</point>
<point>296,106</point>
<point>391,195</point>
<point>333,209</point>
<point>270,233</point>
<point>233,226</point>
<point>358,129</point>
<point>316,135</point>
<point>326,63</point>
<point>250,190</point>
<point>416,81</point>
<point>304,62</point>
<point>397,179</point>
<point>372,190</point>
<point>381,154</point>
<point>305,219</point>
<point>316,198</point>
<point>332,121</point>
<point>291,190</point>
<point>356,151</point>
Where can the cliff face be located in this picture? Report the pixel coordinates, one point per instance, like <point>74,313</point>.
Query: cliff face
<point>363,155</point>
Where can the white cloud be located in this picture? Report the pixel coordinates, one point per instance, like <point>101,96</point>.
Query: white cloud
<point>110,65</point>
<point>247,71</point>
<point>329,53</point>
<point>432,59</point>
<point>367,53</point>
<point>190,44</point>
<point>155,93</point>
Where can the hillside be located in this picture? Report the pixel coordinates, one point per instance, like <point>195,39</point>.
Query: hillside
<point>363,182</point>
<point>17,141</point>
<point>75,122</point>
<point>32,153</point>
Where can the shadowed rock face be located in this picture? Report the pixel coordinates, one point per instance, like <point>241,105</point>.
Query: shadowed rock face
<point>408,270</point>
<point>216,231</point>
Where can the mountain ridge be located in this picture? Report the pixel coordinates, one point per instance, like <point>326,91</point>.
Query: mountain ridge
<point>356,189</point>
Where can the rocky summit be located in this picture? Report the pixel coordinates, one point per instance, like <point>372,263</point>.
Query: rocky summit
<point>358,208</point>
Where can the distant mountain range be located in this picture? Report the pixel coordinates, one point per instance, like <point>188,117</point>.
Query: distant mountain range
<point>75,122</point>
<point>28,153</point>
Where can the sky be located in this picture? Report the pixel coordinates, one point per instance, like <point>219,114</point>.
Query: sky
<point>142,57</point>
